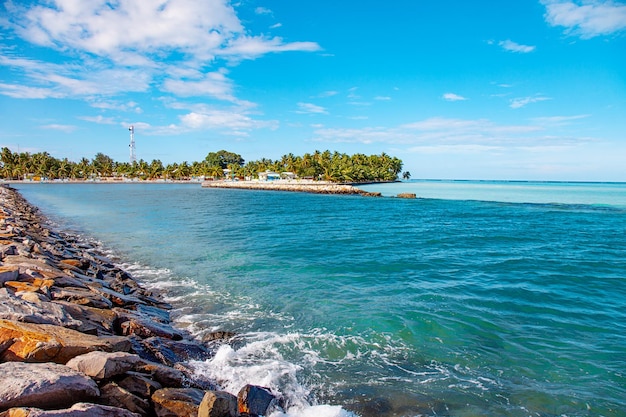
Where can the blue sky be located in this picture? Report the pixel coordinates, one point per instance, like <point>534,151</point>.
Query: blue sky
<point>532,89</point>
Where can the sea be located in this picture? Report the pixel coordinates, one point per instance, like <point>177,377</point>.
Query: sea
<point>477,298</point>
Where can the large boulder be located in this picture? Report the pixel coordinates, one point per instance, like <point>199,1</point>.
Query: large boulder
<point>30,310</point>
<point>177,402</point>
<point>45,385</point>
<point>39,265</point>
<point>139,384</point>
<point>164,375</point>
<point>81,296</point>
<point>170,352</point>
<point>116,396</point>
<point>104,365</point>
<point>253,400</point>
<point>47,343</point>
<point>9,273</point>
<point>97,321</point>
<point>218,404</point>
<point>77,410</point>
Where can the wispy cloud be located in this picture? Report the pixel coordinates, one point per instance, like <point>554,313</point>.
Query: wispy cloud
<point>453,97</point>
<point>520,102</point>
<point>60,128</point>
<point>558,120</point>
<point>588,18</point>
<point>329,93</point>
<point>382,98</point>
<point>440,134</point>
<point>99,120</point>
<point>509,45</point>
<point>262,10</point>
<point>310,108</point>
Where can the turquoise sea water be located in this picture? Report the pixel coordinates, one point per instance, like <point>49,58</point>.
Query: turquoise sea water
<point>481,298</point>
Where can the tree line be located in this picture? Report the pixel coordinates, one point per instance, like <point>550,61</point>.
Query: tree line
<point>326,165</point>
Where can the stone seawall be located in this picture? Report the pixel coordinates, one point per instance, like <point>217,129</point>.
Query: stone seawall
<point>80,337</point>
<point>317,187</point>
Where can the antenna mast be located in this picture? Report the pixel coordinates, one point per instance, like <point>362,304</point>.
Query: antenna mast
<point>133,156</point>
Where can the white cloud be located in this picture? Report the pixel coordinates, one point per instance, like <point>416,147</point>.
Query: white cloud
<point>453,97</point>
<point>520,102</point>
<point>99,120</point>
<point>262,10</point>
<point>310,108</point>
<point>509,45</point>
<point>382,98</point>
<point>558,120</point>
<point>60,128</point>
<point>214,84</point>
<point>110,48</point>
<point>329,93</point>
<point>441,135</point>
<point>276,26</point>
<point>588,18</point>
<point>228,121</point>
<point>23,91</point>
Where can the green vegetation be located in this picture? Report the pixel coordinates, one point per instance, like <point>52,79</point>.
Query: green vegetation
<point>325,165</point>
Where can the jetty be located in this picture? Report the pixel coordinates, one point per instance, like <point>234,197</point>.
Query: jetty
<point>306,186</point>
<point>81,337</point>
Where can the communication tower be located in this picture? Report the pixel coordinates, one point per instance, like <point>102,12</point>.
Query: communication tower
<point>133,156</point>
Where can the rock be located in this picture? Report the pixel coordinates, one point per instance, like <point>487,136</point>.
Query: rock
<point>254,400</point>
<point>45,385</point>
<point>81,296</point>
<point>76,263</point>
<point>221,336</point>
<point>49,343</point>
<point>8,273</point>
<point>407,195</point>
<point>33,311</point>
<point>218,404</point>
<point>33,264</point>
<point>115,297</point>
<point>104,365</point>
<point>31,284</point>
<point>170,352</point>
<point>77,410</point>
<point>177,402</point>
<point>116,396</point>
<point>166,376</point>
<point>139,384</point>
<point>194,379</point>
<point>93,320</point>
<point>145,328</point>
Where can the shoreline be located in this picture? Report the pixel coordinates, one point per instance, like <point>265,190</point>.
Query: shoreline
<point>81,335</point>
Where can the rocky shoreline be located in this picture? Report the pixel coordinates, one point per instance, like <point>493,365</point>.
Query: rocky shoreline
<point>80,337</point>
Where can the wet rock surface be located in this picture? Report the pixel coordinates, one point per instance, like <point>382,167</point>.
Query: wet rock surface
<point>80,337</point>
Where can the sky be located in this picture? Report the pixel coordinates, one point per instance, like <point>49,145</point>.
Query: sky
<point>484,89</point>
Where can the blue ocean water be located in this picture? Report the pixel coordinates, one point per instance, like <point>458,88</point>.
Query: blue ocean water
<point>480,298</point>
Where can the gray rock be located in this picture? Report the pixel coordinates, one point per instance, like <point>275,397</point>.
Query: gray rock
<point>80,410</point>
<point>8,273</point>
<point>45,385</point>
<point>166,376</point>
<point>104,365</point>
<point>19,309</point>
